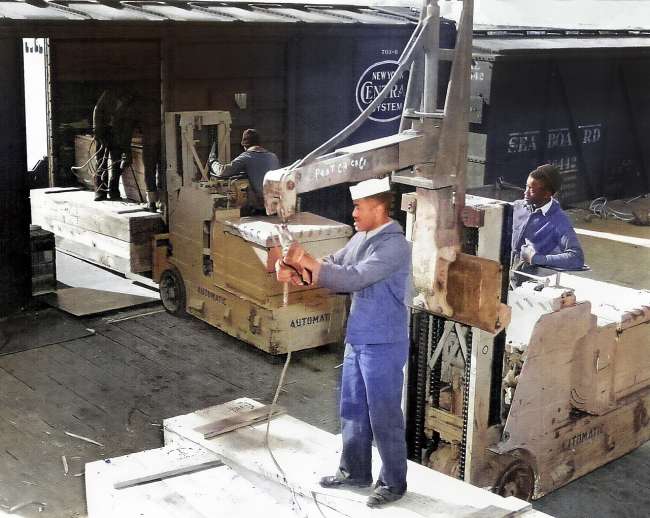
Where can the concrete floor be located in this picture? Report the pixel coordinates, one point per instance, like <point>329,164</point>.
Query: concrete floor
<point>117,385</point>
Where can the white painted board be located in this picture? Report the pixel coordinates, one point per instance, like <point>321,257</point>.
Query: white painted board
<point>306,453</point>
<point>213,492</point>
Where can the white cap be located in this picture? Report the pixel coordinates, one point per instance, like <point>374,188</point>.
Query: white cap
<point>369,188</point>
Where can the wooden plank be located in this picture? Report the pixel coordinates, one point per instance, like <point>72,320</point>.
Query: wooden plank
<point>199,494</point>
<point>115,227</point>
<point>85,301</point>
<point>161,474</point>
<point>101,257</point>
<point>446,417</point>
<point>63,403</point>
<point>213,350</point>
<point>28,473</point>
<point>135,227</point>
<point>230,423</point>
<point>79,202</point>
<point>162,463</point>
<point>306,453</point>
<point>93,255</point>
<point>493,512</point>
<point>33,329</point>
<point>479,433</point>
<point>54,190</point>
<point>96,240</point>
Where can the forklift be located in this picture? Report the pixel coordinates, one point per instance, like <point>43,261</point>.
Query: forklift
<point>219,267</point>
<point>520,390</point>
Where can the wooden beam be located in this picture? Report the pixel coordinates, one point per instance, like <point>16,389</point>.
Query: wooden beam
<point>239,420</point>
<point>187,465</point>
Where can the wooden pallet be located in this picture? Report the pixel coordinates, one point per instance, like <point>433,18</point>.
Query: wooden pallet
<point>116,235</point>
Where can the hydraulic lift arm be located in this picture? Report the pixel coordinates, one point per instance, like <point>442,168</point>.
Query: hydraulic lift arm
<point>430,153</point>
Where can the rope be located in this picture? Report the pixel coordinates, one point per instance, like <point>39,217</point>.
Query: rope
<point>294,497</point>
<point>599,208</point>
<point>76,168</point>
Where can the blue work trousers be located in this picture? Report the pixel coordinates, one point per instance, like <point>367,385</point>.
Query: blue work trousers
<point>371,397</point>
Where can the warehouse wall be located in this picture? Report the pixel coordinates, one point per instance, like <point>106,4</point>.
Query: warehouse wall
<point>300,83</point>
<point>205,74</point>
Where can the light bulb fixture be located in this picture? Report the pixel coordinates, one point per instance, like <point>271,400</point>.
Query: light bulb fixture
<point>240,100</point>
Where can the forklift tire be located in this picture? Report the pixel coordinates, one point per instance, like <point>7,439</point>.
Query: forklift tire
<point>172,292</point>
<point>517,480</point>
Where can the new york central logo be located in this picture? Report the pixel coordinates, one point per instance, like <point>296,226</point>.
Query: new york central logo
<point>372,82</point>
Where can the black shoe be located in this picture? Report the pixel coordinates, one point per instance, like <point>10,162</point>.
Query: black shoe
<point>114,196</point>
<point>383,495</point>
<point>334,481</point>
<point>100,196</point>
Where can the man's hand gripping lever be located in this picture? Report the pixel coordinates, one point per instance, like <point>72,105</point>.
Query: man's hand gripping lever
<point>293,267</point>
<point>287,269</point>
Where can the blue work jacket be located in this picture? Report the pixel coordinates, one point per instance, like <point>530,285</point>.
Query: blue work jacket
<point>556,243</point>
<point>376,271</point>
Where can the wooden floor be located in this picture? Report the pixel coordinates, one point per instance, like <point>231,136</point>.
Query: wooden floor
<point>117,386</point>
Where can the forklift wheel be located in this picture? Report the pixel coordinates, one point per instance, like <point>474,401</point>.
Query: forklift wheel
<point>517,480</point>
<point>172,292</point>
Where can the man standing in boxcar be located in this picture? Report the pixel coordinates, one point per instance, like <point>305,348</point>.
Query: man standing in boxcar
<point>255,161</point>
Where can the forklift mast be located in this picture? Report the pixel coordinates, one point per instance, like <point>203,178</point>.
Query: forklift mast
<point>430,154</point>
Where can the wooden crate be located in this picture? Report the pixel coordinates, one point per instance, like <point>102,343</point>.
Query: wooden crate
<point>116,235</point>
<point>311,318</point>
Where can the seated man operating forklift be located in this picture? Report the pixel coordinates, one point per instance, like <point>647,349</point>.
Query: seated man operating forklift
<point>542,235</point>
<point>255,162</point>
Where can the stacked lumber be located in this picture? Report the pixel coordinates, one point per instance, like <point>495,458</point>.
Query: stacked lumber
<point>163,483</point>
<point>115,234</point>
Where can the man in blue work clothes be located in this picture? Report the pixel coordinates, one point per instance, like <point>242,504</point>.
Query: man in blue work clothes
<point>542,235</point>
<point>374,267</point>
<point>255,162</point>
